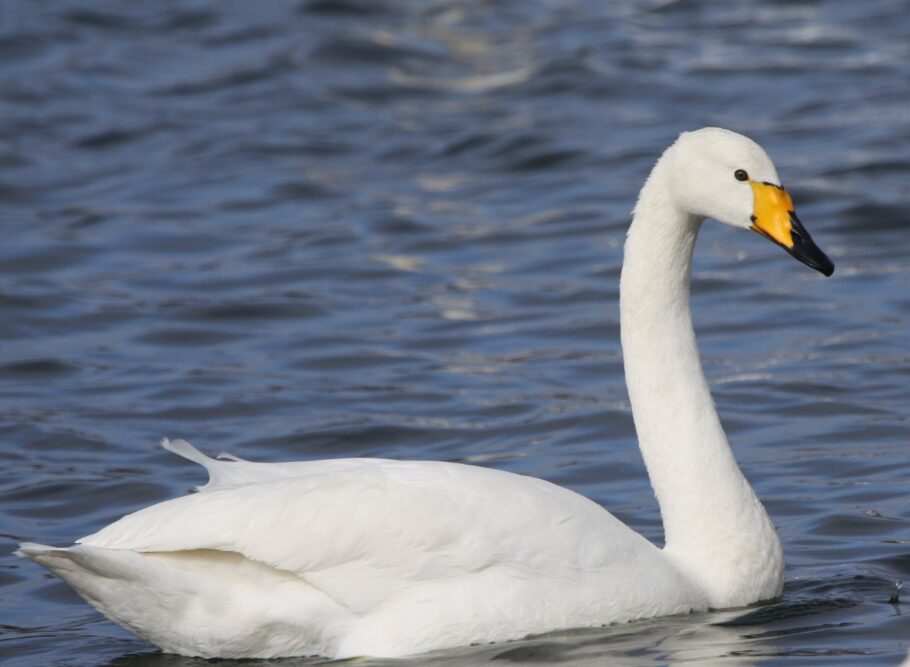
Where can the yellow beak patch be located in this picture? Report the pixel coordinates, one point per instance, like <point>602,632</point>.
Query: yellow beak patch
<point>771,213</point>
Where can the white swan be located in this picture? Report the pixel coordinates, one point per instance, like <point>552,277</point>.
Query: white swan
<point>389,558</point>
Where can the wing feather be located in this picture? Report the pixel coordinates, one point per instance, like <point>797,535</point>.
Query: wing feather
<point>364,530</point>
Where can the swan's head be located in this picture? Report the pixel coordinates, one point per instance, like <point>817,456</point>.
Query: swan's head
<point>723,175</point>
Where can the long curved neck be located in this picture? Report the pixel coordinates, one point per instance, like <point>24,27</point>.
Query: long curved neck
<point>716,529</point>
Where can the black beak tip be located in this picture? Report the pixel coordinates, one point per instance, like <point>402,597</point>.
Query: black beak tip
<point>805,250</point>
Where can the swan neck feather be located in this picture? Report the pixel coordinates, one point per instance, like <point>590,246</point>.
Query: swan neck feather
<point>715,528</point>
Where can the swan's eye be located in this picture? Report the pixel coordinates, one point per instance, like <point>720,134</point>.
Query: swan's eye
<point>741,175</point>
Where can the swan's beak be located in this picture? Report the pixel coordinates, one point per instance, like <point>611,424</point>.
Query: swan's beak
<point>773,217</point>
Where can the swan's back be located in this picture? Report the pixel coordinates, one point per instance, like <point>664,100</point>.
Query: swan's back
<point>366,556</point>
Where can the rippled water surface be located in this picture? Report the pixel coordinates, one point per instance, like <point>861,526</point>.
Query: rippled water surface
<point>296,230</point>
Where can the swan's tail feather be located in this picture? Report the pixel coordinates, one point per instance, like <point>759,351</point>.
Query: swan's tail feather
<point>135,591</point>
<point>203,602</point>
<point>72,563</point>
<point>186,450</point>
<point>224,456</point>
<point>225,471</point>
<point>31,550</point>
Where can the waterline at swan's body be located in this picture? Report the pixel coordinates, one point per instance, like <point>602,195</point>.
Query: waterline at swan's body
<point>390,558</point>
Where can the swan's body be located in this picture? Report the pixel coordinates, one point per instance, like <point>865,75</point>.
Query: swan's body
<point>366,557</point>
<point>390,558</point>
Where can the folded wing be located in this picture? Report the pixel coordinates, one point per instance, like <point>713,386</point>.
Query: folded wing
<point>366,530</point>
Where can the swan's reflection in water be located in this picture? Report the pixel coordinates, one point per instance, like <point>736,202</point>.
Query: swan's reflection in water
<point>693,639</point>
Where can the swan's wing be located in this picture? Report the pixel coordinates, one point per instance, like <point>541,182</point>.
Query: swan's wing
<point>364,530</point>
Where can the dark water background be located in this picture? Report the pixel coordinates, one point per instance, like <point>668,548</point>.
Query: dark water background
<point>297,230</point>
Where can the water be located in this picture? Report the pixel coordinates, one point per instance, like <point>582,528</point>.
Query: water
<point>296,230</point>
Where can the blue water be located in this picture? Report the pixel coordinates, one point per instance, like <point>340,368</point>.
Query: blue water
<point>296,230</point>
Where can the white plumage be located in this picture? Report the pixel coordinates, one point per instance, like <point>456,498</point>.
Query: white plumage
<point>389,558</point>
<point>362,557</point>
